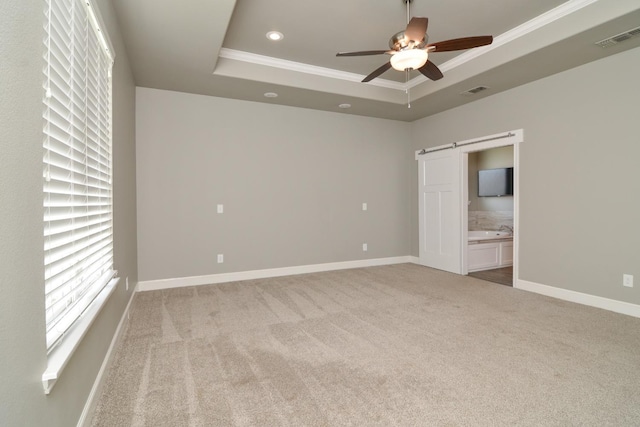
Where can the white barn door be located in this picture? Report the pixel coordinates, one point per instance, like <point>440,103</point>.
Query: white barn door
<point>440,210</point>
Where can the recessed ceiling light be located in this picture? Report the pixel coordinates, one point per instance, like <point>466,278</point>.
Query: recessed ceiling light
<point>275,35</point>
<point>344,105</point>
<point>271,95</point>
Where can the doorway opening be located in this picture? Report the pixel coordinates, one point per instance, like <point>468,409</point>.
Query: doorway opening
<point>490,214</point>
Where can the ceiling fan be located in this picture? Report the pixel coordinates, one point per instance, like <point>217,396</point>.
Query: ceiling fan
<point>410,51</point>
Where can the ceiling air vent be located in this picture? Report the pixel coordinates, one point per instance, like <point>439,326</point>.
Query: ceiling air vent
<point>474,90</point>
<point>619,38</point>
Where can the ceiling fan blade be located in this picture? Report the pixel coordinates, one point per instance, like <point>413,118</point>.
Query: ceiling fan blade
<point>431,71</point>
<point>363,53</point>
<point>416,29</point>
<point>377,72</point>
<point>459,44</point>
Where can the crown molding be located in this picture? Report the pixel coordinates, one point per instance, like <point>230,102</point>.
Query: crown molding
<point>534,24</point>
<point>284,64</point>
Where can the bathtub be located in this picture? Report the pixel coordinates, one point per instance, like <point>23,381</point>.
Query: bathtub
<point>475,236</point>
<point>487,250</point>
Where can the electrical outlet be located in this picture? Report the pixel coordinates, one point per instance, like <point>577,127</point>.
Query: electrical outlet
<point>364,206</point>
<point>126,283</point>
<point>627,280</point>
<point>220,258</point>
<point>220,208</point>
<point>364,247</point>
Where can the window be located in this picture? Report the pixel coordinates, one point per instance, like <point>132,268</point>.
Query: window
<point>78,230</point>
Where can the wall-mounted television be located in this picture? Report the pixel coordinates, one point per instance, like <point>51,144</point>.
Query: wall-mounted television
<point>495,182</point>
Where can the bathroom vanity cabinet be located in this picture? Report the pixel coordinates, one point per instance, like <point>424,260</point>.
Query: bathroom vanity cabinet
<point>488,255</point>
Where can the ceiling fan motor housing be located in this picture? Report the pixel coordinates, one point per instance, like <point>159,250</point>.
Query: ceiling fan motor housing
<point>400,41</point>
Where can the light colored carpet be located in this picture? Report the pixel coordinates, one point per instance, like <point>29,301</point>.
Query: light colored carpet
<point>399,345</point>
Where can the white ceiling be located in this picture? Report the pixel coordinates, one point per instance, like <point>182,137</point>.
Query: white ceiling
<point>219,48</point>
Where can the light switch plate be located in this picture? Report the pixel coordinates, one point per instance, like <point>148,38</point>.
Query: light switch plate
<point>220,208</point>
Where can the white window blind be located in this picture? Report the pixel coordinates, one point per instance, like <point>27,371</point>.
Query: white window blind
<point>78,230</point>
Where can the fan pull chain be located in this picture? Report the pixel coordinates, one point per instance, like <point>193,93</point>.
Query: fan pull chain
<point>407,71</point>
<point>408,89</point>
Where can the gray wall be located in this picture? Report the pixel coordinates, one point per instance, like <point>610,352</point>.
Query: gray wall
<point>579,191</point>
<point>292,182</point>
<point>22,332</point>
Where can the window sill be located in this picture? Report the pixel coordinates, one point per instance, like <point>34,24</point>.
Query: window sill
<point>61,354</point>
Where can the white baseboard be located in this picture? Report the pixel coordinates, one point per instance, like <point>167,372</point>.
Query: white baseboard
<point>153,285</point>
<point>94,394</point>
<point>580,298</point>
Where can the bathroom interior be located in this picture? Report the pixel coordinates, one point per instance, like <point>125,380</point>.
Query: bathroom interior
<point>490,213</point>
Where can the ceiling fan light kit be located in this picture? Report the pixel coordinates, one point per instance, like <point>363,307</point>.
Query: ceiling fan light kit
<point>411,59</point>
